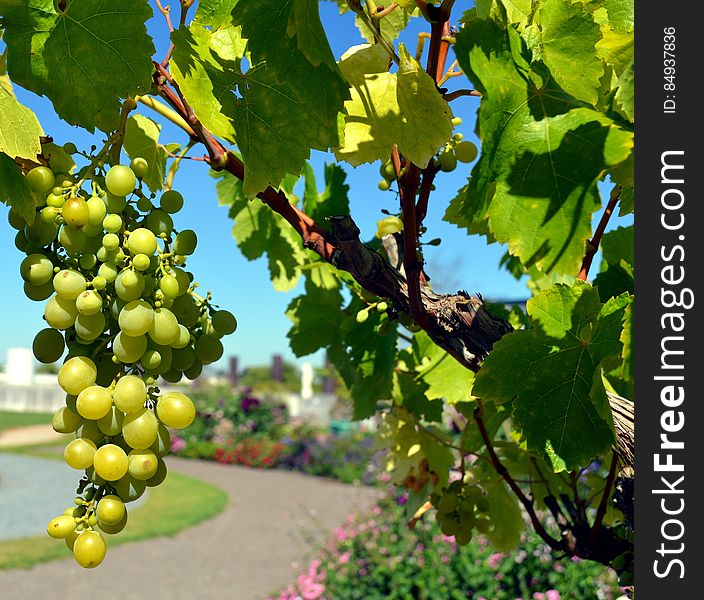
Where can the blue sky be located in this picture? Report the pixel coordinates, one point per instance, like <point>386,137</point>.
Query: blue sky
<point>242,286</point>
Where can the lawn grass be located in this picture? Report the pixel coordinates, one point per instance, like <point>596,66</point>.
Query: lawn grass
<point>180,502</point>
<point>20,419</point>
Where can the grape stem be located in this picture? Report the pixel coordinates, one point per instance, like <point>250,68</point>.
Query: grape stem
<point>450,96</point>
<point>593,244</point>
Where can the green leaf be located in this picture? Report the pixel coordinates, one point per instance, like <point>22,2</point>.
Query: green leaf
<point>316,319</point>
<point>543,152</point>
<point>391,26</point>
<point>624,97</point>
<point>84,59</point>
<point>621,14</point>
<point>59,161</point>
<point>19,127</point>
<point>142,139</point>
<point>14,190</point>
<point>569,34</point>
<point>215,13</point>
<point>505,515</point>
<point>618,247</point>
<point>332,201</point>
<point>412,394</point>
<point>626,205</point>
<point>304,23</point>
<point>389,108</point>
<point>548,372</point>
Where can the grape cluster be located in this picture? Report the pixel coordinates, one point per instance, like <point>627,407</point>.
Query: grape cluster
<point>111,268</point>
<point>460,509</point>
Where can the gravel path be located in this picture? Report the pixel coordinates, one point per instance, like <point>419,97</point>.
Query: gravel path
<point>259,543</point>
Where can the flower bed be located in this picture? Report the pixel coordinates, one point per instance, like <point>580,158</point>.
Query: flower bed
<point>375,556</point>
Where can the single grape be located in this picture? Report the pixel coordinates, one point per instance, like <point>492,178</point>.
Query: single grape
<point>185,242</point>
<point>447,160</point>
<point>382,306</point>
<point>115,204</point>
<point>184,338</point>
<point>136,318</point>
<point>209,349</point>
<point>130,393</point>
<point>75,212</point>
<point>448,503</point>
<point>176,410</point>
<point>159,221</point>
<point>194,370</point>
<point>129,489</point>
<point>110,510</point>
<point>60,527</point>
<point>141,262</point>
<point>120,180</point>
<point>93,402</point>
<point>113,529</point>
<point>38,293</point>
<point>164,329</point>
<point>145,204</point>
<point>140,167</point>
<point>79,453</point>
<point>89,549</point>
<point>384,185</point>
<point>140,428</point>
<point>168,284</point>
<point>87,261</point>
<point>172,375</point>
<point>108,271</point>
<point>129,285</point>
<point>111,423</point>
<point>99,282</point>
<point>129,349</point>
<point>142,241</point>
<point>159,476</point>
<point>36,269</point>
<point>65,420</point>
<point>69,284</point>
<point>466,152</point>
<point>110,462</point>
<point>388,225</point>
<point>48,346</point>
<point>40,233</point>
<point>151,360</point>
<point>76,374</point>
<point>483,525</point>
<point>112,223</point>
<point>183,358</point>
<point>73,240</point>
<point>89,327</point>
<point>142,464</point>
<point>162,444</point>
<point>456,121</point>
<point>362,315</point>
<point>60,313</point>
<point>41,180</point>
<point>15,219</point>
<point>463,537</point>
<point>89,303</point>
<point>186,311</point>
<point>171,201</point>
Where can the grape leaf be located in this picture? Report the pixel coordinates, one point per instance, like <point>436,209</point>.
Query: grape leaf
<point>624,97</point>
<point>215,13</point>
<point>79,58</point>
<point>389,108</point>
<point>19,127</point>
<point>505,516</point>
<point>410,393</point>
<point>543,152</point>
<point>142,139</point>
<point>305,24</point>
<point>548,372</point>
<point>59,160</point>
<point>569,35</point>
<point>332,201</point>
<point>316,319</point>
<point>14,190</point>
<point>618,247</point>
<point>391,26</point>
<point>621,14</point>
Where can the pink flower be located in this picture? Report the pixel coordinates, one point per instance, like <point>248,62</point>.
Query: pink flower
<point>344,558</point>
<point>177,444</point>
<point>495,559</point>
<point>538,596</point>
<point>552,595</point>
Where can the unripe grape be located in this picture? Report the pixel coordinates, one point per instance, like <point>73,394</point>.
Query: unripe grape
<point>224,322</point>
<point>362,315</point>
<point>129,489</point>
<point>79,453</point>
<point>89,303</point>
<point>387,171</point>
<point>110,462</point>
<point>15,219</point>
<point>76,374</point>
<point>456,121</point>
<point>69,284</point>
<point>115,204</point>
<point>41,180</point>
<point>388,225</point>
<point>112,223</point>
<point>447,161</point>
<point>141,262</point>
<point>60,527</point>
<point>209,349</point>
<point>466,152</point>
<point>176,410</point>
<point>36,269</point>
<point>108,271</point>
<point>185,242</point>
<point>48,345</point>
<point>87,261</point>
<point>129,349</point>
<point>139,166</point>
<point>70,148</point>
<point>93,402</point>
<point>382,306</point>
<point>89,549</point>
<point>171,201</point>
<point>75,212</point>
<point>73,240</point>
<point>129,285</point>
<point>38,293</point>
<point>120,180</point>
<point>110,510</point>
<point>145,204</point>
<point>65,420</point>
<point>159,221</point>
<point>40,233</point>
<point>141,241</point>
<point>99,282</point>
<point>136,318</point>
<point>194,370</point>
<point>89,327</point>
<point>384,185</point>
<point>142,464</point>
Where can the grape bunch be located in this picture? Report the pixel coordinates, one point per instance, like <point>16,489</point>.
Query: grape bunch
<point>111,268</point>
<point>460,509</point>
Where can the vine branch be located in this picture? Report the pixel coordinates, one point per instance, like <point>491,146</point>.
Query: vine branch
<point>593,244</point>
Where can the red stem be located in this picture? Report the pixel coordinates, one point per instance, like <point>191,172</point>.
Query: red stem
<point>593,244</point>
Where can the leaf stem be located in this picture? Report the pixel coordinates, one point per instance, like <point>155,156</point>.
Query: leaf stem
<point>593,244</point>
<point>168,114</point>
<point>176,164</point>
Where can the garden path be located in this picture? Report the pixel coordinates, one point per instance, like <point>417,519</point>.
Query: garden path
<point>259,543</point>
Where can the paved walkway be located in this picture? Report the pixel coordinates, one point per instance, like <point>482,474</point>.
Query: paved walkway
<point>31,434</point>
<point>259,543</point>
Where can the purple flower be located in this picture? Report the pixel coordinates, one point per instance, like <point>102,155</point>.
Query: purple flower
<point>177,444</point>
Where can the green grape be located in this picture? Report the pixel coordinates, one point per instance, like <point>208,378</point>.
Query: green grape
<point>140,428</point>
<point>172,375</point>
<point>71,402</point>
<point>99,282</point>
<point>65,420</point>
<point>120,180</point>
<point>448,503</point>
<point>208,349</point>
<point>55,200</point>
<point>48,346</point>
<point>466,152</point>
<point>60,527</point>
<point>183,280</point>
<point>142,464</point>
<point>129,489</point>
<point>483,525</point>
<point>48,214</point>
<point>89,327</point>
<point>145,204</point>
<point>89,303</point>
<point>70,148</point>
<point>38,293</point>
<point>129,349</point>
<point>164,328</point>
<point>159,476</point>
<point>456,121</point>
<point>108,271</point>
<point>110,510</point>
<point>224,322</point>
<point>463,537</point>
<point>466,507</point>
<point>76,374</point>
<point>171,201</point>
<point>184,338</point>
<point>21,242</point>
<point>194,370</point>
<point>107,369</point>
<point>141,262</point>
<point>136,318</point>
<point>75,212</point>
<point>186,311</point>
<point>457,137</point>
<point>111,242</point>
<point>387,171</point>
<point>165,357</point>
<point>388,225</point>
<point>482,503</point>
<point>130,393</point>
<point>140,167</point>
<point>36,269</point>
<point>129,285</point>
<point>111,423</point>
<point>142,241</point>
<point>93,402</point>
<point>185,242</point>
<point>41,180</point>
<point>162,444</point>
<point>176,410</point>
<point>115,204</point>
<point>183,358</point>
<point>69,284</point>
<point>447,161</point>
<point>41,233</point>
<point>382,306</point>
<point>79,453</point>
<point>110,462</point>
<point>71,539</point>
<point>112,529</point>
<point>384,185</point>
<point>112,223</point>
<point>15,219</point>
<point>168,284</point>
<point>73,240</point>
<point>362,315</point>
<point>87,261</point>
<point>89,549</point>
<point>159,221</point>
<point>151,360</point>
